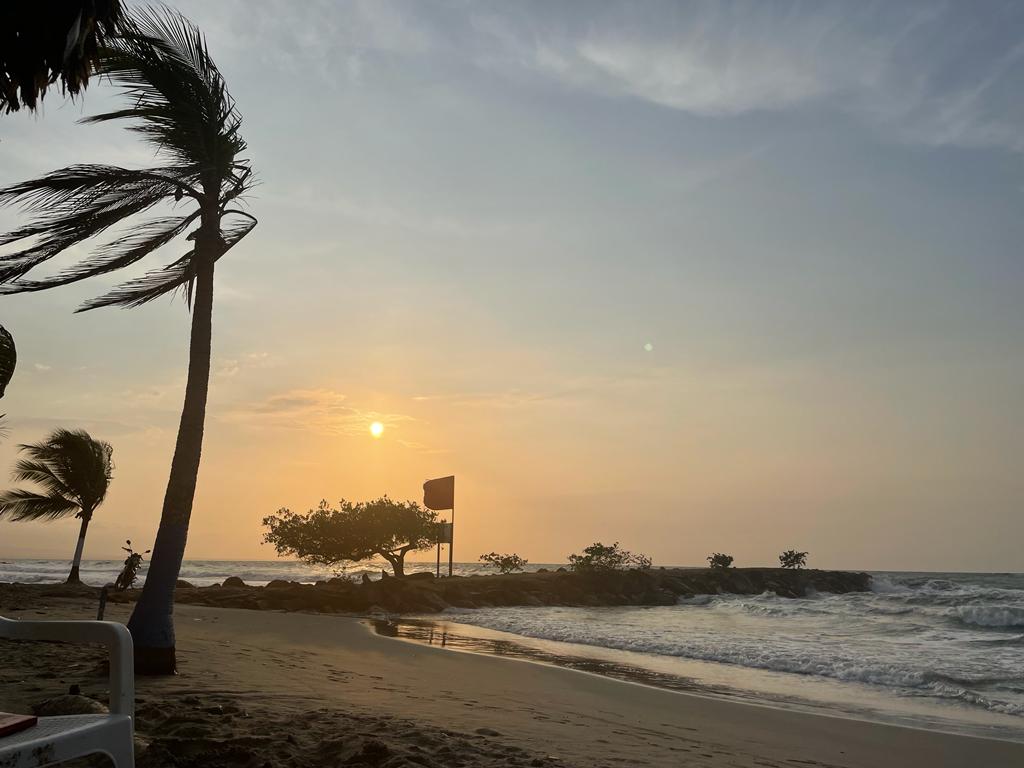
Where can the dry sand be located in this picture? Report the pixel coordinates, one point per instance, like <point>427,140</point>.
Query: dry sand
<point>260,688</point>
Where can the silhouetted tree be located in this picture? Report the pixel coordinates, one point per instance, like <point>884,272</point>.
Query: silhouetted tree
<point>73,472</point>
<point>353,532</point>
<point>601,557</point>
<point>178,101</point>
<point>793,559</point>
<point>718,560</point>
<point>504,563</point>
<point>42,41</point>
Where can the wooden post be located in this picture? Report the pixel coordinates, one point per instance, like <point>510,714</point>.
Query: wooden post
<point>451,540</point>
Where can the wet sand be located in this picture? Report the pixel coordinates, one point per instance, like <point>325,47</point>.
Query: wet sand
<point>266,688</point>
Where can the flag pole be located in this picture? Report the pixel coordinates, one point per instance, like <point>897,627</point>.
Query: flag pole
<point>451,538</point>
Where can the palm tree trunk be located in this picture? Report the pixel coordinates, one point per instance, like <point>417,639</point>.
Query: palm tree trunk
<point>73,577</point>
<point>152,621</point>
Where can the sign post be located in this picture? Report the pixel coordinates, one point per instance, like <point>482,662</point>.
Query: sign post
<point>439,494</point>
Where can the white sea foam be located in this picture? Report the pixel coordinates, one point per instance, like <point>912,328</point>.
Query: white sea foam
<point>992,615</point>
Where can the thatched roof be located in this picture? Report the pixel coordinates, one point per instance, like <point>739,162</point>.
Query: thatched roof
<point>43,41</point>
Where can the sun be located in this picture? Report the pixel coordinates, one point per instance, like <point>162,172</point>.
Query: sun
<point>376,429</point>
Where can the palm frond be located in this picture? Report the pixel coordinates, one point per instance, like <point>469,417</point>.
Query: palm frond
<point>70,187</point>
<point>21,505</point>
<point>178,100</point>
<point>40,473</point>
<point>143,290</point>
<point>69,465</point>
<point>113,256</point>
<point>157,283</point>
<point>65,226</point>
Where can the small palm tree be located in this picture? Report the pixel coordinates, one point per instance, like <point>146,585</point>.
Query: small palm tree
<point>73,471</point>
<point>178,102</point>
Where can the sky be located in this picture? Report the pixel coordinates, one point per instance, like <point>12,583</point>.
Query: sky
<point>691,276</point>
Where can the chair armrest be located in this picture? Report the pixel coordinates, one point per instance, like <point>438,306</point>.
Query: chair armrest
<point>114,636</point>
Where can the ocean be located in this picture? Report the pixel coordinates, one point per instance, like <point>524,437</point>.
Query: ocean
<point>937,650</point>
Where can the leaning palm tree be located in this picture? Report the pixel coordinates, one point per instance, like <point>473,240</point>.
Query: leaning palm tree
<point>178,102</point>
<point>73,472</point>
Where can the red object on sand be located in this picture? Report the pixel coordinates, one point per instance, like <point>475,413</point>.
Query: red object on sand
<point>10,723</point>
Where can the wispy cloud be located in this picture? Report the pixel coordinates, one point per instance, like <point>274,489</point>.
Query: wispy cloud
<point>320,410</point>
<point>916,69</point>
<point>512,398</point>
<point>384,215</point>
<point>252,360</point>
<point>936,73</point>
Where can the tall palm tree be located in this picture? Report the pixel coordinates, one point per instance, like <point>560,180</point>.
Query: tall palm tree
<point>42,42</point>
<point>177,101</point>
<point>74,472</point>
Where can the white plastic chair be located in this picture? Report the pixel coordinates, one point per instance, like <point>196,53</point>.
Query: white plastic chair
<point>56,739</point>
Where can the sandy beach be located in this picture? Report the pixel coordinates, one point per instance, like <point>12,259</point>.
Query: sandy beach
<point>268,688</point>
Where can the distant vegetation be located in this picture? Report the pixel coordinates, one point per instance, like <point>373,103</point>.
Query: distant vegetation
<point>353,532</point>
<point>601,557</point>
<point>793,559</point>
<point>72,473</point>
<point>718,560</point>
<point>504,563</point>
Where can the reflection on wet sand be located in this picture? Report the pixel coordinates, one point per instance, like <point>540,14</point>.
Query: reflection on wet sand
<point>445,635</point>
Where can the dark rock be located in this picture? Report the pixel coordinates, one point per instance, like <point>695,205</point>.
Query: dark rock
<point>418,593</point>
<point>69,705</point>
<point>420,576</point>
<point>182,584</point>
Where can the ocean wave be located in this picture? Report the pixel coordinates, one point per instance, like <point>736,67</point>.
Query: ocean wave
<point>806,658</point>
<point>966,696</point>
<point>991,616</point>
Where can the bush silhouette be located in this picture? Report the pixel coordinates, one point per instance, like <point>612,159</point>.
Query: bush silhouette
<point>504,563</point>
<point>718,560</point>
<point>793,559</point>
<point>601,557</point>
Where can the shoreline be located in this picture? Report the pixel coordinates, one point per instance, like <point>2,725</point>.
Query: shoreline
<point>288,669</point>
<point>458,637</point>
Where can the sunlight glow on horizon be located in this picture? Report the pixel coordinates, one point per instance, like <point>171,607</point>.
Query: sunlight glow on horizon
<point>376,429</point>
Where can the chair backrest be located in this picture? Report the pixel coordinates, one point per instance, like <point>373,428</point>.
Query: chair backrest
<point>114,636</point>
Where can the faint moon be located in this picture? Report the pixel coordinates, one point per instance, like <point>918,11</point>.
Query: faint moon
<point>376,429</point>
<point>648,347</point>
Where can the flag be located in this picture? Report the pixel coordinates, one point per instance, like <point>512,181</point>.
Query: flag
<point>439,493</point>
